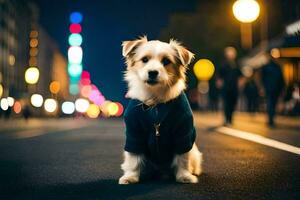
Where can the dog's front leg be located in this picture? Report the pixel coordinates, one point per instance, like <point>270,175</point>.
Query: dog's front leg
<point>188,164</point>
<point>131,167</point>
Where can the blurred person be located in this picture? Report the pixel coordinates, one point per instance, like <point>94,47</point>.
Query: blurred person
<point>251,94</point>
<point>273,83</point>
<point>7,112</point>
<point>26,112</point>
<point>229,75</point>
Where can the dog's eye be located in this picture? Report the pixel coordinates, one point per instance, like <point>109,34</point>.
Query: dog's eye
<point>145,59</point>
<point>165,61</point>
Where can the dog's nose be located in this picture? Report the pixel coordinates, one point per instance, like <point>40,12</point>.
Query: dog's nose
<point>152,74</point>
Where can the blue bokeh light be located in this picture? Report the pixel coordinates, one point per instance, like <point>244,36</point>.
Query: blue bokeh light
<point>76,17</point>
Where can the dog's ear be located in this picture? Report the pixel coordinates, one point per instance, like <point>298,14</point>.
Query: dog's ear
<point>130,46</point>
<point>184,55</point>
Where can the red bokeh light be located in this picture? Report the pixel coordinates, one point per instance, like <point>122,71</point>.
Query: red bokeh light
<point>120,110</point>
<point>85,75</point>
<point>75,28</point>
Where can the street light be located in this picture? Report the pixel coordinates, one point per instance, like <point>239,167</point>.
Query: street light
<point>246,11</point>
<point>32,75</point>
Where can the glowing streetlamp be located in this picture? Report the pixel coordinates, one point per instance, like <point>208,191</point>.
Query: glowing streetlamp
<point>32,75</point>
<point>246,11</point>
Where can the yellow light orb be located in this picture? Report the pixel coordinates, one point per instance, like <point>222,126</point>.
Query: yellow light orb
<point>50,105</point>
<point>54,87</point>
<point>112,108</point>
<point>93,111</point>
<point>246,11</point>
<point>204,69</point>
<point>1,90</point>
<point>32,75</point>
<point>275,53</point>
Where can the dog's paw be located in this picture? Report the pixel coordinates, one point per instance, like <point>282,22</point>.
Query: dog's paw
<point>187,179</point>
<point>125,180</point>
<point>197,171</point>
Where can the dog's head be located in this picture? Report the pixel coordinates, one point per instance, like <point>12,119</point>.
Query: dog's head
<point>154,64</point>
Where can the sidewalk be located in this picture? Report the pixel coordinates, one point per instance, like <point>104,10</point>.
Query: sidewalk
<point>286,129</point>
<point>209,119</point>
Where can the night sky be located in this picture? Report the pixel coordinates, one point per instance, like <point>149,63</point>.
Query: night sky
<point>105,25</point>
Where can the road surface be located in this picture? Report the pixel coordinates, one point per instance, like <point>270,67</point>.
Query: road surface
<point>80,159</point>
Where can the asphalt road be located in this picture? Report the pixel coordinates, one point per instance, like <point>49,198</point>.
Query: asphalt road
<point>80,159</point>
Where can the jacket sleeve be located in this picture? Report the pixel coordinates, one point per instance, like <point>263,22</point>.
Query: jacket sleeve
<point>135,142</point>
<point>185,135</point>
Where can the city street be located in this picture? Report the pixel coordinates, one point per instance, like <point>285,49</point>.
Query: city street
<point>80,159</point>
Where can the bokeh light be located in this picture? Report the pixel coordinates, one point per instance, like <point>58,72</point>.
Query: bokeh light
<point>75,70</point>
<point>54,87</point>
<point>11,60</point>
<point>68,107</point>
<point>75,55</point>
<point>50,105</point>
<point>81,105</point>
<point>17,107</point>
<point>37,100</point>
<point>85,90</point>
<point>34,34</point>
<point>203,87</point>
<point>93,111</point>
<point>33,42</point>
<point>112,108</point>
<point>76,17</point>
<point>75,39</point>
<point>1,90</point>
<point>32,75</point>
<point>246,11</point>
<point>75,28</point>
<point>74,89</point>
<point>4,104</point>
<point>120,109</point>
<point>33,51</point>
<point>32,61</point>
<point>85,75</point>
<point>275,53</point>
<point>10,101</point>
<point>204,69</point>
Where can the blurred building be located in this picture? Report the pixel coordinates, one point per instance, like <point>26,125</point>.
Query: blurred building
<point>23,44</point>
<point>52,65</point>
<point>15,22</point>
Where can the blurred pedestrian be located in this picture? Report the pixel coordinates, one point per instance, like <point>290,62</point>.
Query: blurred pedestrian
<point>251,94</point>
<point>229,75</point>
<point>7,113</point>
<point>273,82</point>
<point>26,112</point>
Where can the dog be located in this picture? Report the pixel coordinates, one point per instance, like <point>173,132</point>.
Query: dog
<point>159,121</point>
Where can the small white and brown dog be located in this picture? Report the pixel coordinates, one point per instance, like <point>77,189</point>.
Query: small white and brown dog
<point>159,121</point>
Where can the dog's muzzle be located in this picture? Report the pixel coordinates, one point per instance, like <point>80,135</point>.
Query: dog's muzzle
<point>152,77</point>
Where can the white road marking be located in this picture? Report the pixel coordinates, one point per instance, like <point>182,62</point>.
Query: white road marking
<point>258,139</point>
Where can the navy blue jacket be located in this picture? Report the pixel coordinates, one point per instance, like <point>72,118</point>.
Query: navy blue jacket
<point>176,134</point>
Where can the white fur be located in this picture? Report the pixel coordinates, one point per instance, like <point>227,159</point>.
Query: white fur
<point>188,165</point>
